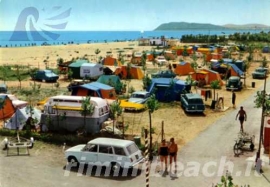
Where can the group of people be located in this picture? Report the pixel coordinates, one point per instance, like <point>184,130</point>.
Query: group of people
<point>168,150</point>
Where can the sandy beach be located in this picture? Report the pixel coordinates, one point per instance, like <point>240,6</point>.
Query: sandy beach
<point>176,123</point>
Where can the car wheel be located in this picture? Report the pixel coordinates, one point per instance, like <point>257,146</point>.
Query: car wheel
<point>72,160</point>
<point>115,167</point>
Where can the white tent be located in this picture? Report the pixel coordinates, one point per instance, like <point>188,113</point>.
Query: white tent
<point>20,116</point>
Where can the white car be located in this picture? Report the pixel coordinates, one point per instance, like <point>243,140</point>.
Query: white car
<point>160,60</point>
<point>139,97</point>
<point>108,152</point>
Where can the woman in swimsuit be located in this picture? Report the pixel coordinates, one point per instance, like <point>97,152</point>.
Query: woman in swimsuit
<point>163,152</point>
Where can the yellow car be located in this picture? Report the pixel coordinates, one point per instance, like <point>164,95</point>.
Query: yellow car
<point>125,104</point>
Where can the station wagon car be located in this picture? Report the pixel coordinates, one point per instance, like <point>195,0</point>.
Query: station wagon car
<point>139,97</point>
<point>234,83</point>
<point>136,102</point>
<point>260,73</point>
<point>192,103</point>
<point>45,75</point>
<point>108,152</point>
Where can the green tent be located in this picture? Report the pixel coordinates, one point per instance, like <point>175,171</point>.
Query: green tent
<point>111,80</point>
<point>75,67</point>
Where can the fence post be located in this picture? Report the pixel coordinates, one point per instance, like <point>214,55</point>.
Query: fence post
<point>146,158</point>
<point>162,131</point>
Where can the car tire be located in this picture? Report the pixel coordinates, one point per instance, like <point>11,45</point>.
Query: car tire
<point>72,160</point>
<point>115,167</point>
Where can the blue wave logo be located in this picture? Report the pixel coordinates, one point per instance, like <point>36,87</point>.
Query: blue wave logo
<point>34,25</point>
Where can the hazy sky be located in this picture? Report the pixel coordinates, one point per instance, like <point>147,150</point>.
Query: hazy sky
<point>134,15</point>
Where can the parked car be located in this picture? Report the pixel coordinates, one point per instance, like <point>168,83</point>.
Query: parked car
<point>234,83</point>
<point>45,75</point>
<point>3,88</point>
<point>108,152</point>
<point>139,97</point>
<point>191,102</point>
<point>260,73</point>
<point>163,74</point>
<point>160,60</point>
<point>136,101</point>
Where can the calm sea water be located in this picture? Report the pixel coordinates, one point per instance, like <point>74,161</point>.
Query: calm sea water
<point>22,38</point>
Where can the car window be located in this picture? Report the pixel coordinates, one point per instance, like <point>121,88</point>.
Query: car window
<point>119,151</point>
<point>105,149</point>
<point>90,148</point>
<point>132,148</point>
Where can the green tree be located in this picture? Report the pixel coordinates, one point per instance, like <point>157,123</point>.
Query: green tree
<point>87,109</point>
<point>226,181</point>
<point>115,111</point>
<point>19,75</point>
<point>97,51</point>
<point>4,73</point>
<point>152,105</point>
<point>215,85</point>
<point>264,62</point>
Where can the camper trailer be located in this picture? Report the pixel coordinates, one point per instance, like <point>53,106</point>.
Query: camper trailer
<point>64,113</point>
<point>91,70</point>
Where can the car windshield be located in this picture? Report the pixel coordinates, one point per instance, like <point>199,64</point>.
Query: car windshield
<point>260,70</point>
<point>132,148</point>
<point>195,101</point>
<point>138,96</point>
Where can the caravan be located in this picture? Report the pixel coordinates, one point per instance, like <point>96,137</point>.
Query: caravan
<point>64,113</point>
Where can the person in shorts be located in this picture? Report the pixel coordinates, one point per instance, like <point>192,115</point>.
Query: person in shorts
<point>242,116</point>
<point>163,152</point>
<point>173,149</point>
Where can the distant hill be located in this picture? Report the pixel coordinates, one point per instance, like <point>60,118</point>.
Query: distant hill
<point>246,26</point>
<point>188,26</point>
<point>207,26</point>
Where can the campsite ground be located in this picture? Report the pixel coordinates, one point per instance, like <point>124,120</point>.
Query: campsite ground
<point>184,127</point>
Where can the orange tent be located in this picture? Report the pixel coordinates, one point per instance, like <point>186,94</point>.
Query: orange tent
<point>95,89</point>
<point>179,50</point>
<point>135,72</point>
<point>183,68</point>
<point>208,76</point>
<point>110,61</point>
<point>6,107</point>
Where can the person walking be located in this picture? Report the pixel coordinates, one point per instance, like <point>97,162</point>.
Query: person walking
<point>163,152</point>
<point>233,98</point>
<point>173,149</point>
<point>242,116</point>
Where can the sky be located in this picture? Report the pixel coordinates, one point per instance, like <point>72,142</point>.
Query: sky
<point>127,15</point>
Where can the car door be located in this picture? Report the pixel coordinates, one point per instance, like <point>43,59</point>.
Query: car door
<point>90,154</point>
<point>105,155</point>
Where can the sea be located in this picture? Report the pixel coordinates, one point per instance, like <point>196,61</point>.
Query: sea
<point>37,38</point>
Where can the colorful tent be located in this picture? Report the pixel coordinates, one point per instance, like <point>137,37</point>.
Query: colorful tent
<point>235,71</point>
<point>111,80</point>
<point>135,72</point>
<point>75,67</point>
<point>110,61</point>
<point>183,68</point>
<point>95,89</point>
<point>207,76</point>
<point>85,69</point>
<point>167,89</point>
<point>19,118</point>
<point>6,107</point>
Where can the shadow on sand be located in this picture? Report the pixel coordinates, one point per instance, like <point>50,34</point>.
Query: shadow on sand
<point>103,172</point>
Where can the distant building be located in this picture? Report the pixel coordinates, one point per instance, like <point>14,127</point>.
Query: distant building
<point>144,41</point>
<point>158,41</point>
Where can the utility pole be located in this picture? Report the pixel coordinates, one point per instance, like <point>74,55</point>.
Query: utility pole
<point>258,155</point>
